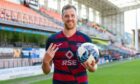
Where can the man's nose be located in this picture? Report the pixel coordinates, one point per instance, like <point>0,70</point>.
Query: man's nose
<point>70,18</point>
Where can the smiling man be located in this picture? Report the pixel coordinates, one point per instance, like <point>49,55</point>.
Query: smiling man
<point>61,50</point>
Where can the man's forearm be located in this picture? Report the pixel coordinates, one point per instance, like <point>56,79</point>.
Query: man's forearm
<point>46,67</point>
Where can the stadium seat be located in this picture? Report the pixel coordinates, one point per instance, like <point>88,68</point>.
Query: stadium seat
<point>31,19</point>
<point>2,13</point>
<point>7,14</point>
<point>19,17</point>
<point>14,16</point>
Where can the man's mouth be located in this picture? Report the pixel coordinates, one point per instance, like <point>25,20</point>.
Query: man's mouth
<point>70,21</point>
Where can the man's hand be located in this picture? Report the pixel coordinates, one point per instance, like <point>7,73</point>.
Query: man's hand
<point>90,66</point>
<point>50,53</point>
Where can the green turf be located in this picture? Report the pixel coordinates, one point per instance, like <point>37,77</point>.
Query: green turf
<point>125,72</point>
<point>121,73</point>
<point>27,80</point>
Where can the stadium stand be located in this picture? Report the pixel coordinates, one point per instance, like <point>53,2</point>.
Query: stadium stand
<point>51,13</point>
<point>51,16</point>
<point>31,27</point>
<point>20,13</point>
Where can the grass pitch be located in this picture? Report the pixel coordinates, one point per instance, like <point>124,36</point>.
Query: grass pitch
<point>121,72</point>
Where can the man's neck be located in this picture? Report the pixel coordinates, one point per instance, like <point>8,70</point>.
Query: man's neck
<point>69,33</point>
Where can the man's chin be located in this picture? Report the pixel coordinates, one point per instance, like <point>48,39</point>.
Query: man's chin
<point>69,28</point>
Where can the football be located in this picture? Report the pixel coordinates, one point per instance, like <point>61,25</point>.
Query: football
<point>87,52</point>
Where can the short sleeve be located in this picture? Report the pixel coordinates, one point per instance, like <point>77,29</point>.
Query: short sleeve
<point>48,42</point>
<point>89,39</point>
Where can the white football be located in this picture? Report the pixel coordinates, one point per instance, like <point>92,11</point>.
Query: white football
<point>87,52</point>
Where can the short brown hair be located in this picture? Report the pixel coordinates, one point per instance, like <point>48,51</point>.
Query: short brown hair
<point>68,6</point>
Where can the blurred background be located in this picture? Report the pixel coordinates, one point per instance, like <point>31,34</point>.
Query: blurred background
<point>25,25</point>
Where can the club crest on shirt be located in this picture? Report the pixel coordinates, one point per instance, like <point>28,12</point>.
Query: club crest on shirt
<point>69,54</point>
<point>69,61</point>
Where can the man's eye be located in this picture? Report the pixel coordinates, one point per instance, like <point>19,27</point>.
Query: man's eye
<point>72,15</point>
<point>66,16</point>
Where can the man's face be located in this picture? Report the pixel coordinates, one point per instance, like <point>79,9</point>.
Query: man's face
<point>69,18</point>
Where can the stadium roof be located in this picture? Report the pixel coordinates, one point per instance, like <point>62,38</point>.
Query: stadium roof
<point>111,6</point>
<point>125,3</point>
<point>99,5</point>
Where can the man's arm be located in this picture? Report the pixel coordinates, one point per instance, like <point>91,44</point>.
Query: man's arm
<point>47,60</point>
<point>46,65</point>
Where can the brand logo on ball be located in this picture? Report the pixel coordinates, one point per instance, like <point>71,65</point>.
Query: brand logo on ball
<point>87,50</point>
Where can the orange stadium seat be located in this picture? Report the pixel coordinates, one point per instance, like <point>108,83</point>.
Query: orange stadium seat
<point>2,13</point>
<point>20,17</point>
<point>31,19</point>
<point>24,18</point>
<point>14,16</point>
<point>41,21</point>
<point>27,18</point>
<point>7,15</point>
<point>37,20</point>
<point>46,22</point>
